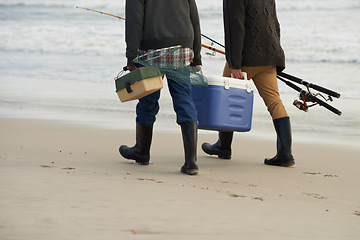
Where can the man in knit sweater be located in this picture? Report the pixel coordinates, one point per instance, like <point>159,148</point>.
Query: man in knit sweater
<point>252,45</point>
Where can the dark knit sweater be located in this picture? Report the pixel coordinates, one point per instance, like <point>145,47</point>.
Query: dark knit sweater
<point>154,24</point>
<point>252,34</point>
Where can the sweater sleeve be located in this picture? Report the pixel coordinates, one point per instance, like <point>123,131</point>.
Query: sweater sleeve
<point>234,26</point>
<point>134,11</point>
<point>194,15</point>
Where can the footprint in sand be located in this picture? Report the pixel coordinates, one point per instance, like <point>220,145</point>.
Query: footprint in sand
<point>242,196</point>
<point>330,175</point>
<point>236,195</point>
<point>314,195</point>
<point>68,168</point>
<point>312,173</point>
<point>319,173</point>
<point>148,179</point>
<point>142,232</point>
<point>47,166</point>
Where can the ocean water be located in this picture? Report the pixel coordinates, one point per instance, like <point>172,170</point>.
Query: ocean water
<point>58,62</point>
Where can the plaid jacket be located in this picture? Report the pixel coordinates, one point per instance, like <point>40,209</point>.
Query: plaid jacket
<point>170,58</point>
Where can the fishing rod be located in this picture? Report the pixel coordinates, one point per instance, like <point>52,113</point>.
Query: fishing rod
<point>213,49</point>
<point>212,40</point>
<point>101,12</point>
<point>112,15</point>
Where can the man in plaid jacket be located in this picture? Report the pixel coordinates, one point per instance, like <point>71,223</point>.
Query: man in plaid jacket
<point>156,24</point>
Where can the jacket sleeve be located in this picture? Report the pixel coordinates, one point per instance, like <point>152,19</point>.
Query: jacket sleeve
<point>234,26</point>
<point>134,11</point>
<point>194,15</point>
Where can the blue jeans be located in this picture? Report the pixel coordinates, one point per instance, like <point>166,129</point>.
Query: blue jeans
<point>148,106</point>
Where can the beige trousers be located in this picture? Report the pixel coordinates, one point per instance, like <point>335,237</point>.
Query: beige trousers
<point>265,80</point>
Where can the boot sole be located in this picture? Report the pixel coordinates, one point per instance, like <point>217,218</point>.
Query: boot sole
<point>190,171</point>
<point>141,163</point>
<point>287,164</point>
<point>215,153</point>
<point>220,156</point>
<point>281,164</point>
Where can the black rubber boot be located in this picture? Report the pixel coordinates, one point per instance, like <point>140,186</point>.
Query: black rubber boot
<point>222,147</point>
<point>189,134</point>
<point>141,151</point>
<point>283,158</point>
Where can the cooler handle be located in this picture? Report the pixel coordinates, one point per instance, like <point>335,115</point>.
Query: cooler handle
<point>227,83</point>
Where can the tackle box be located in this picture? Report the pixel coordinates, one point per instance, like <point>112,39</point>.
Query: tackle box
<point>225,105</point>
<point>138,83</point>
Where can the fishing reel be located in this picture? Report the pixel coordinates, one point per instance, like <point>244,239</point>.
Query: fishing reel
<point>301,104</point>
<point>213,53</point>
<point>308,96</point>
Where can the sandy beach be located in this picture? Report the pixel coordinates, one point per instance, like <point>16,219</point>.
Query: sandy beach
<point>68,181</point>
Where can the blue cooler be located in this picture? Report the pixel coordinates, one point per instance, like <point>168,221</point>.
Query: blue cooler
<point>225,105</point>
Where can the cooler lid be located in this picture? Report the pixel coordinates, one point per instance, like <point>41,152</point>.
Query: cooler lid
<point>227,82</point>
